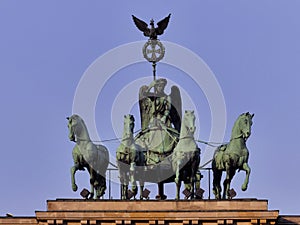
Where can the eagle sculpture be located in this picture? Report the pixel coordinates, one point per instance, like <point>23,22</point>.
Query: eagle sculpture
<point>152,32</point>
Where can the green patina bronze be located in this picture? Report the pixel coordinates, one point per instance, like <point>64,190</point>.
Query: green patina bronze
<point>160,118</point>
<point>153,153</point>
<point>232,156</point>
<point>186,156</point>
<point>86,154</point>
<point>129,157</point>
<point>183,162</point>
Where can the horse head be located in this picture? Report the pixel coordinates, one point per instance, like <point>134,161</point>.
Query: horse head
<point>71,128</point>
<point>75,125</point>
<point>245,123</point>
<point>189,122</point>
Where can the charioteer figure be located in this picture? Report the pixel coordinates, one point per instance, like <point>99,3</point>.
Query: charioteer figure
<point>160,115</point>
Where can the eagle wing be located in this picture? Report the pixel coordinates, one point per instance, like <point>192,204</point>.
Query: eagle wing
<point>141,25</point>
<point>162,25</point>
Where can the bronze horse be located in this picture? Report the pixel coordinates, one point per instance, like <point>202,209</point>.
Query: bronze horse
<point>87,155</point>
<point>232,156</point>
<point>186,156</point>
<point>129,157</point>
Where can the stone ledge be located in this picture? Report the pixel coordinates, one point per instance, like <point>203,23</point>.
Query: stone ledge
<point>155,205</point>
<point>18,220</point>
<point>208,215</point>
<point>152,212</point>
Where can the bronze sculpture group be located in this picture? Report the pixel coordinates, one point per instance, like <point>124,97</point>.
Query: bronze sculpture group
<point>165,149</point>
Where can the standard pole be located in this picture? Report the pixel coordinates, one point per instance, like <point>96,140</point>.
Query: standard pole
<point>154,70</point>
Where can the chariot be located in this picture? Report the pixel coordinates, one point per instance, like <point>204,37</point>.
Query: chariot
<point>164,150</point>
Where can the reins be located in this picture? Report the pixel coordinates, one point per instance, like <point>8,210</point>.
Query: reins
<point>209,143</point>
<point>169,131</point>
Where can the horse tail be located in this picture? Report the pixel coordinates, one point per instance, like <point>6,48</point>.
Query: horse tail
<point>218,162</point>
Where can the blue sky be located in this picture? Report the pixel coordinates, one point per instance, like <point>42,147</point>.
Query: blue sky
<point>252,48</point>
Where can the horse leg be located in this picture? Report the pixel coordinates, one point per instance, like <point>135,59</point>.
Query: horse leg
<point>132,178</point>
<point>189,183</point>
<point>134,188</point>
<point>229,175</point>
<point>192,190</point>
<point>103,184</point>
<point>124,189</point>
<point>177,172</point>
<point>197,184</point>
<point>161,195</point>
<point>217,175</point>
<point>124,185</point>
<point>91,191</point>
<point>178,185</point>
<point>196,173</point>
<point>121,184</point>
<point>177,179</point>
<point>248,170</point>
<point>195,165</point>
<point>92,182</point>
<point>73,182</point>
<point>100,185</point>
<point>142,184</point>
<point>226,183</point>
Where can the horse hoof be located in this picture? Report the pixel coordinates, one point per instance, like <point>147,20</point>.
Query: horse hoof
<point>91,196</point>
<point>160,197</point>
<point>163,197</point>
<point>98,195</point>
<point>74,187</point>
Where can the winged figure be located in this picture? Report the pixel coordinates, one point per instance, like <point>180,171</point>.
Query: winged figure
<point>152,32</point>
<point>159,105</point>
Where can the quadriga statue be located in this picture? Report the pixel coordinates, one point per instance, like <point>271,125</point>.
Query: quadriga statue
<point>86,154</point>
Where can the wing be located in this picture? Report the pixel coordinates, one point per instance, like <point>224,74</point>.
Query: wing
<point>176,107</point>
<point>145,107</point>
<point>141,25</point>
<point>162,25</point>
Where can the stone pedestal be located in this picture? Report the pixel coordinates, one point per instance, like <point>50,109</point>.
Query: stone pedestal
<point>152,212</point>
